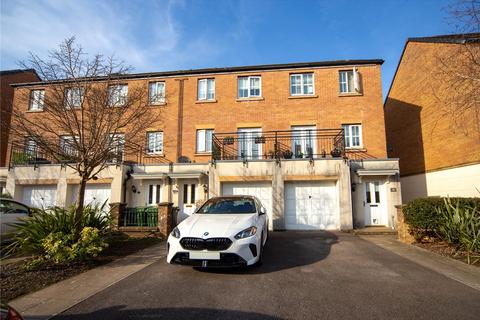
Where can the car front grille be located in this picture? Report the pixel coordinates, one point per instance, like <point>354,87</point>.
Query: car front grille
<point>226,260</point>
<point>212,244</point>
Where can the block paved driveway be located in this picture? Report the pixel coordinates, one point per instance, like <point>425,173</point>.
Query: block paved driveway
<point>305,275</point>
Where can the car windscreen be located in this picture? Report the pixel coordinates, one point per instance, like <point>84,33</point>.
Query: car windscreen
<point>7,206</point>
<point>228,206</point>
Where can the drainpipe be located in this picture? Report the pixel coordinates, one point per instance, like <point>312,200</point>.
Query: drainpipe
<point>129,176</point>
<point>181,83</point>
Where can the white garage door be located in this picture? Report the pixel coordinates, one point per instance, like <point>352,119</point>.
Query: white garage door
<point>311,205</point>
<point>95,194</point>
<point>40,196</point>
<point>261,190</point>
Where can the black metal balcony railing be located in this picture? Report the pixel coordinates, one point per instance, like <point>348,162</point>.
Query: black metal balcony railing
<point>32,155</point>
<point>287,144</point>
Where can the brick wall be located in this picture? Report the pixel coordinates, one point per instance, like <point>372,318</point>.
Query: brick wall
<point>275,111</point>
<point>6,93</point>
<point>419,129</point>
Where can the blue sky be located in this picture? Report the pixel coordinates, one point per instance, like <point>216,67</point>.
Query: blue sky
<point>171,35</point>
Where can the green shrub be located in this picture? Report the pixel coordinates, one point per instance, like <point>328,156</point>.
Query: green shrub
<point>61,248</point>
<point>460,226</point>
<point>56,225</point>
<point>423,218</point>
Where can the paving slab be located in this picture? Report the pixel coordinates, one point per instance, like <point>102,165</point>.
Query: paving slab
<point>453,269</point>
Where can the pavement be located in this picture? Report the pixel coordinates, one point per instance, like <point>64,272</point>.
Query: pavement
<point>305,275</point>
<point>46,303</point>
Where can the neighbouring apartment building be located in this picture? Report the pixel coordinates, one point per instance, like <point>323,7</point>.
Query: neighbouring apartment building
<point>8,77</point>
<point>432,116</point>
<point>308,139</point>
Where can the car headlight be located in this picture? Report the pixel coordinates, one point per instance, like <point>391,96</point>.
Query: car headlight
<point>246,233</point>
<point>175,233</point>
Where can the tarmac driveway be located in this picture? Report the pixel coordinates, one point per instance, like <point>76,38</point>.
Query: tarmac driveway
<point>305,275</point>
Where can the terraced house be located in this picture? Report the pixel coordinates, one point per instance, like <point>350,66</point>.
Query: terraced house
<point>308,139</point>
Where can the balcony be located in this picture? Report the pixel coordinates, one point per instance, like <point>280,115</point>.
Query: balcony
<point>287,144</point>
<point>30,155</point>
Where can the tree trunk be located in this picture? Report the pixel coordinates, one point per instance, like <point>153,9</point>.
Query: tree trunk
<point>79,207</point>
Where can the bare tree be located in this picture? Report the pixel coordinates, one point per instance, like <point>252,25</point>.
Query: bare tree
<point>457,68</point>
<point>90,117</point>
<point>464,15</point>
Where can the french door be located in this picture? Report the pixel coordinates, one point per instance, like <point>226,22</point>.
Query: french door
<point>303,141</point>
<point>249,143</point>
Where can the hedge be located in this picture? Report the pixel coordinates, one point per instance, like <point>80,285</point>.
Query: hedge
<point>422,217</point>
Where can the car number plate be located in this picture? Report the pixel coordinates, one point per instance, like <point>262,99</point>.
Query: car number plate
<point>203,255</point>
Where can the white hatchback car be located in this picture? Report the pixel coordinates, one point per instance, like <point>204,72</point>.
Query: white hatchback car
<point>224,231</point>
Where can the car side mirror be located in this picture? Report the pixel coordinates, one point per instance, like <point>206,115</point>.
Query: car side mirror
<point>262,211</point>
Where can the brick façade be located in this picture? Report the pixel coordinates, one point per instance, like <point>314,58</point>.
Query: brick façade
<point>275,111</point>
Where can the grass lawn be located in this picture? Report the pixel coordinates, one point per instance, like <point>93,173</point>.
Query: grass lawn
<point>16,281</point>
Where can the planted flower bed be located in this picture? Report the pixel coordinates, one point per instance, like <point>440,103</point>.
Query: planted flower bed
<point>449,226</point>
<point>49,247</point>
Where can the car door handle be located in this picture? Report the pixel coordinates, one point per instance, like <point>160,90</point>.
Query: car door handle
<point>374,205</point>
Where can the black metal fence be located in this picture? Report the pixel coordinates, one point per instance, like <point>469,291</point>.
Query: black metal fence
<point>287,144</point>
<point>139,217</point>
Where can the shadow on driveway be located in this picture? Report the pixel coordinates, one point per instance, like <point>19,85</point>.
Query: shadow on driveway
<point>120,312</point>
<point>287,249</point>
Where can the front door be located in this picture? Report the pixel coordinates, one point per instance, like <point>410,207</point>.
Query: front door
<point>187,199</point>
<point>250,143</point>
<point>373,204</point>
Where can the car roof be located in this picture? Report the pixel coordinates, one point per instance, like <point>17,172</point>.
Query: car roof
<point>11,200</point>
<point>235,197</point>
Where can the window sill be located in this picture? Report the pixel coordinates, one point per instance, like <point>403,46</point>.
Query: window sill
<point>34,111</point>
<point>157,104</point>
<point>206,101</point>
<point>152,154</point>
<point>303,96</point>
<point>202,154</point>
<point>250,99</point>
<point>355,149</point>
<point>350,94</point>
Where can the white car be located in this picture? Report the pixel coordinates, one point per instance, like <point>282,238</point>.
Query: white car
<point>11,211</point>
<point>225,231</point>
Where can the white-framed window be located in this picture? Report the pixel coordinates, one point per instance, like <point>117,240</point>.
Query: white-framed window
<point>117,147</point>
<point>155,142</point>
<point>206,89</point>
<point>349,81</point>
<point>68,145</point>
<point>31,147</point>
<point>204,140</point>
<point>117,95</point>
<point>353,135</point>
<point>74,97</point>
<point>37,99</point>
<point>250,143</point>
<point>156,92</point>
<point>154,195</point>
<point>249,87</point>
<point>304,141</point>
<point>301,84</point>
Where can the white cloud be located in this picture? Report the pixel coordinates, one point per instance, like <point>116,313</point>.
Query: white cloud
<point>100,27</point>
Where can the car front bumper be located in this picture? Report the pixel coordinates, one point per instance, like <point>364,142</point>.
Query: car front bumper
<point>242,252</point>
